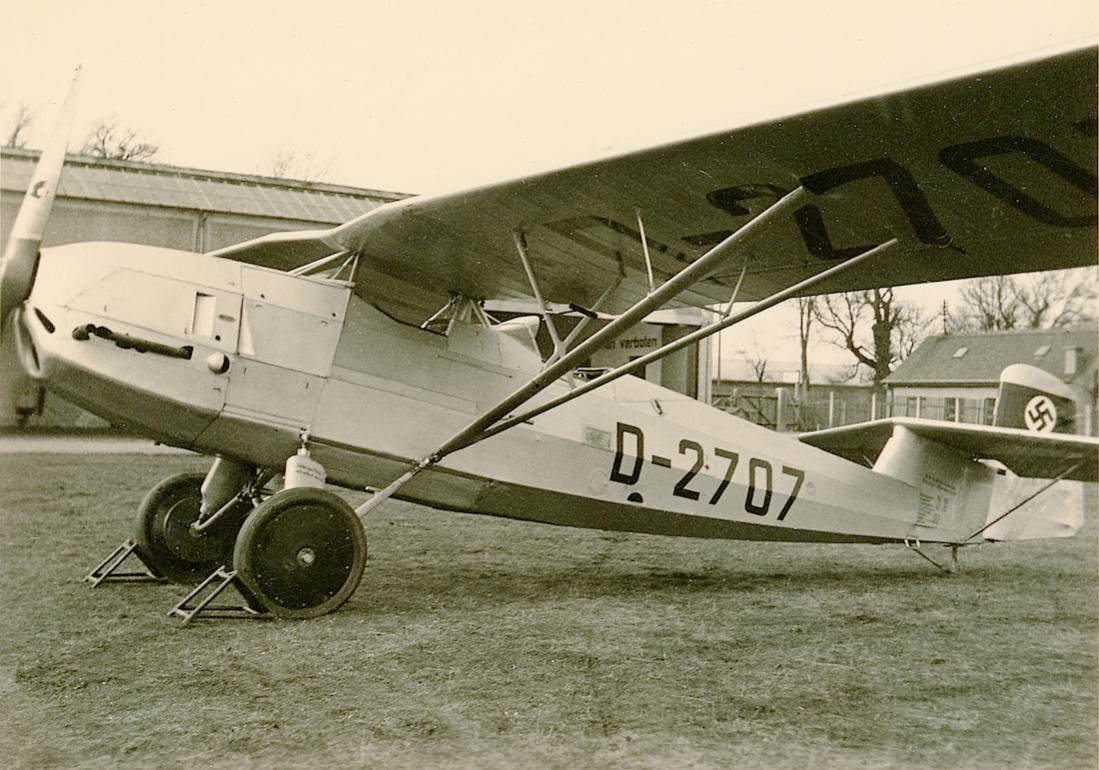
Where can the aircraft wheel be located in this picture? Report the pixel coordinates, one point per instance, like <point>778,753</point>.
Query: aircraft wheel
<point>301,553</point>
<point>163,535</point>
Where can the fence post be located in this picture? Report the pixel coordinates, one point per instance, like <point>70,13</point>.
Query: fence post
<point>831,409</point>
<point>780,410</point>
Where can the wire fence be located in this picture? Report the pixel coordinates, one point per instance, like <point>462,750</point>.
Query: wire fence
<point>781,409</point>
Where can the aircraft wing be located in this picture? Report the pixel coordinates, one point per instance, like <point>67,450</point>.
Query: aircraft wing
<point>1025,453</point>
<point>989,173</point>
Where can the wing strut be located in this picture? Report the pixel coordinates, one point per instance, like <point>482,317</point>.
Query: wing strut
<point>689,275</point>
<point>666,350</point>
<point>645,250</point>
<point>736,290</point>
<point>482,427</point>
<point>590,314</point>
<point>521,247</point>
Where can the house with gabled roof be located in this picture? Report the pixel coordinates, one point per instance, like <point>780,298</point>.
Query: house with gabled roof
<point>956,377</point>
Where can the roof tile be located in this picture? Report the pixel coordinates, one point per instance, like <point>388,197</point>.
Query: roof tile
<point>176,187</point>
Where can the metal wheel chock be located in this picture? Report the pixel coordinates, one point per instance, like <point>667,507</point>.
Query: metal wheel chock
<point>199,600</point>
<point>108,568</point>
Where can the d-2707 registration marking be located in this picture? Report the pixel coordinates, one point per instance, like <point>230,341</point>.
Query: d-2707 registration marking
<point>760,486</point>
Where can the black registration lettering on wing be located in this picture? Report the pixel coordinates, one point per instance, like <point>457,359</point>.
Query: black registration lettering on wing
<point>756,464</point>
<point>598,233</point>
<point>902,185</point>
<point>681,488</point>
<point>960,159</point>
<point>728,199</point>
<point>637,453</point>
<point>963,159</point>
<point>799,477</point>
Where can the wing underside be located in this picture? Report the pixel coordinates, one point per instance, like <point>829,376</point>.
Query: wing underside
<point>989,173</point>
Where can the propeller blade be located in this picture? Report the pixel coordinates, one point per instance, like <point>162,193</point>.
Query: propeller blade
<point>20,259</point>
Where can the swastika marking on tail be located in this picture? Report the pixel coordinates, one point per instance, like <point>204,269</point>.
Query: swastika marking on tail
<point>1040,414</point>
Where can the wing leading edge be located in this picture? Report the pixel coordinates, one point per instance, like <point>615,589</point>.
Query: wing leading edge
<point>985,174</point>
<point>1025,453</point>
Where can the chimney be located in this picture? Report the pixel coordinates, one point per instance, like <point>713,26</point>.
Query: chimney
<point>1072,361</point>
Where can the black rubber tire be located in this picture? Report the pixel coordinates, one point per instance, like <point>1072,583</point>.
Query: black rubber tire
<point>300,554</point>
<point>163,537</point>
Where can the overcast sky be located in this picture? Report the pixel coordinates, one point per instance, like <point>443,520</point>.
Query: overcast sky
<point>420,97</point>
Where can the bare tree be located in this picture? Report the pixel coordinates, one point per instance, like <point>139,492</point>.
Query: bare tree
<point>990,304</point>
<point>288,163</point>
<point>757,359</point>
<point>1057,298</point>
<point>1050,299</point>
<point>16,134</point>
<point>874,326</point>
<point>109,141</point>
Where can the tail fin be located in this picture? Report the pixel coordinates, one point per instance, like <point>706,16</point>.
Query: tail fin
<point>1035,400</point>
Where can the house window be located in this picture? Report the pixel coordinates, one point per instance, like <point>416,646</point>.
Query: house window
<point>1041,351</point>
<point>989,410</point>
<point>950,409</point>
<point>960,352</point>
<point>972,411</point>
<point>931,408</point>
<point>911,407</point>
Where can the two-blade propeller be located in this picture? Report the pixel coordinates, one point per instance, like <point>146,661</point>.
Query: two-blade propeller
<point>20,258</point>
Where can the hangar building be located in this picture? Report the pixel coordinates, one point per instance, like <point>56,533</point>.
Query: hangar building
<point>197,210</point>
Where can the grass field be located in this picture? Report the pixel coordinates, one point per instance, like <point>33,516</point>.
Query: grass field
<point>477,642</point>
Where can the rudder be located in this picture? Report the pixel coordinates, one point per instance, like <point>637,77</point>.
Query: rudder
<point>1033,399</point>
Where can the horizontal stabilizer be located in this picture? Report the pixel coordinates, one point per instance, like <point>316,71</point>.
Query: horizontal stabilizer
<point>1025,453</point>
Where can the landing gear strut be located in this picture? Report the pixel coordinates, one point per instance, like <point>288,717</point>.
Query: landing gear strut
<point>187,525</point>
<point>165,539</point>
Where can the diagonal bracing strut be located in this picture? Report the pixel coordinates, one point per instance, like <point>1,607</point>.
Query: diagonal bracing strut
<point>662,352</point>
<point>483,426</point>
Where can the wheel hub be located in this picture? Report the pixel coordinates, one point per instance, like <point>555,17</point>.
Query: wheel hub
<point>306,556</point>
<point>301,553</point>
<point>182,540</point>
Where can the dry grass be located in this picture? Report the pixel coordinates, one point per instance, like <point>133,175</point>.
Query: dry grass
<point>487,643</point>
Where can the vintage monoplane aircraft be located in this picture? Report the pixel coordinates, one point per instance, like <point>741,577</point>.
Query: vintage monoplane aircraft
<point>362,355</point>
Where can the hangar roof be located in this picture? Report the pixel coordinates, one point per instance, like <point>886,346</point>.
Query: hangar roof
<point>154,184</point>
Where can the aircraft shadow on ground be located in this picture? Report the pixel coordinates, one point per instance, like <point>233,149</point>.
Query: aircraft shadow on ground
<point>397,588</point>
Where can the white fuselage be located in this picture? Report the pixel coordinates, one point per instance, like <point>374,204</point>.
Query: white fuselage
<point>376,395</point>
